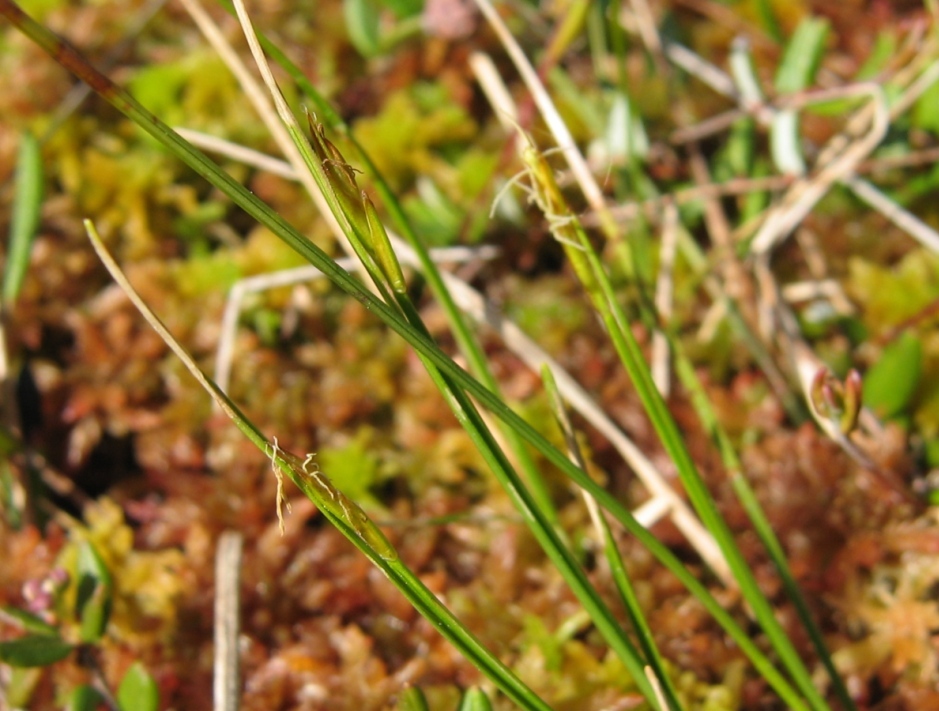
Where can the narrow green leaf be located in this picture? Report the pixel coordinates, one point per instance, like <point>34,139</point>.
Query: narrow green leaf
<point>796,72</point>
<point>343,513</point>
<point>93,603</point>
<point>27,204</point>
<point>652,657</point>
<point>785,143</point>
<point>803,56</point>
<point>423,600</point>
<point>890,384</point>
<point>85,698</point>
<point>138,691</point>
<point>475,699</point>
<point>744,72</point>
<point>768,21</point>
<point>702,404</point>
<point>412,699</point>
<point>591,272</point>
<point>34,650</point>
<point>29,621</point>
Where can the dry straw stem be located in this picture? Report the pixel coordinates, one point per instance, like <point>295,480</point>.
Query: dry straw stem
<point>664,293</point>
<point>226,687</point>
<point>837,163</point>
<point>225,354</point>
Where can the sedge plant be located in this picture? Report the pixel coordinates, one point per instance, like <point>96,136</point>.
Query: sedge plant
<point>389,299</point>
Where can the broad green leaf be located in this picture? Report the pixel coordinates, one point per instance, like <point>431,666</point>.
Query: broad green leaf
<point>27,204</point>
<point>34,650</point>
<point>93,603</point>
<point>29,621</point>
<point>138,691</point>
<point>890,384</point>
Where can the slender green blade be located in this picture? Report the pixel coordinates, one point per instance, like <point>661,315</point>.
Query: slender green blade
<point>27,204</point>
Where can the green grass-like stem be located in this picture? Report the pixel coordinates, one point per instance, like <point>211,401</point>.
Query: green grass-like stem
<point>345,515</point>
<point>611,552</point>
<point>758,519</point>
<point>466,341</point>
<point>27,204</point>
<point>72,60</point>
<point>590,271</point>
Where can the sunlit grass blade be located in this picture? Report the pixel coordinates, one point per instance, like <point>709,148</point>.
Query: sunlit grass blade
<point>591,273</point>
<point>27,203</point>
<point>341,512</point>
<point>379,247</point>
<point>758,519</point>
<point>546,535</point>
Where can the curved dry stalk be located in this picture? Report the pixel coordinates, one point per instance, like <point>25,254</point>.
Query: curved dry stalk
<point>904,219</point>
<point>804,194</point>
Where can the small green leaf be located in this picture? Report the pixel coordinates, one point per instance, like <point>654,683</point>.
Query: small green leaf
<point>29,621</point>
<point>34,650</point>
<point>925,112</point>
<point>138,691</point>
<point>362,23</point>
<point>412,699</point>
<point>880,56</point>
<point>27,205</point>
<point>93,603</point>
<point>19,686</point>
<point>475,699</point>
<point>404,8</point>
<point>85,698</point>
<point>743,70</point>
<point>891,382</point>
